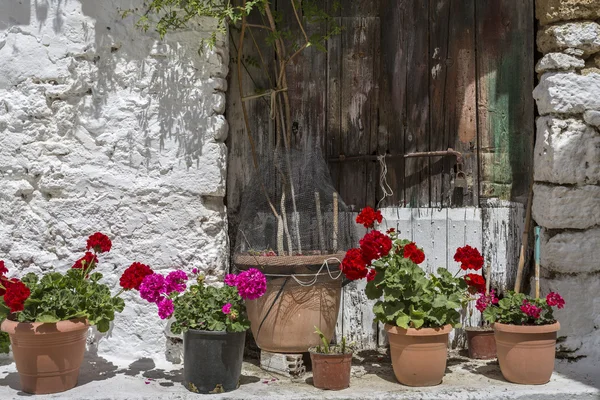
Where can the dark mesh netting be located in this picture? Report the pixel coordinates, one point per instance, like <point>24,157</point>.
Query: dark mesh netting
<point>291,213</point>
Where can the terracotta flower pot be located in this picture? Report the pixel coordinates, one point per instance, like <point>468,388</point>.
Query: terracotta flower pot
<point>331,371</point>
<point>481,343</point>
<point>48,355</point>
<point>283,320</point>
<point>419,355</point>
<point>526,352</point>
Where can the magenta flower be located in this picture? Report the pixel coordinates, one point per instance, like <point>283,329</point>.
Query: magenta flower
<point>195,271</point>
<point>165,308</point>
<point>230,280</point>
<point>485,300</point>
<point>531,309</point>
<point>152,287</point>
<point>226,308</point>
<point>555,300</point>
<point>251,284</point>
<point>176,281</point>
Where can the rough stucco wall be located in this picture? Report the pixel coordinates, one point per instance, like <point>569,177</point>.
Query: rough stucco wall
<point>105,128</point>
<point>567,167</point>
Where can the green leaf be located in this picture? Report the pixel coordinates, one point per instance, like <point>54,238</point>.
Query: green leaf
<point>403,320</point>
<point>103,325</point>
<point>47,318</point>
<point>440,301</point>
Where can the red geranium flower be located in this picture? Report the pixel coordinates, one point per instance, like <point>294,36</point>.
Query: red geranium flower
<point>99,242</point>
<point>371,275</point>
<point>469,258</point>
<point>476,282</point>
<point>86,261</point>
<point>555,299</point>
<point>3,269</point>
<point>134,275</point>
<point>16,294</point>
<point>415,254</point>
<point>375,245</point>
<point>354,265</point>
<point>368,216</point>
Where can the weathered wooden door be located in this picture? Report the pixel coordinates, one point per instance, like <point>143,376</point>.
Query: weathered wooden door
<point>410,76</point>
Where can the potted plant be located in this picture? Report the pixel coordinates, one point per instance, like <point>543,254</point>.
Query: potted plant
<point>331,365</point>
<point>418,309</point>
<point>47,319</point>
<point>480,338</point>
<point>213,321</point>
<point>525,330</point>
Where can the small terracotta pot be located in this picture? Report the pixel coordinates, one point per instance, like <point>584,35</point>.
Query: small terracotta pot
<point>526,352</point>
<point>419,355</point>
<point>331,371</point>
<point>481,343</point>
<point>48,355</point>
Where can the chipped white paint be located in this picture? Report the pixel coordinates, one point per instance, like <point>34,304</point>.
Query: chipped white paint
<point>103,127</point>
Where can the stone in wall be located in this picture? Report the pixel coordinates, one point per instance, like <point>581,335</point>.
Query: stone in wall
<point>106,128</point>
<point>571,251</point>
<point>561,207</point>
<point>567,151</point>
<point>580,318</point>
<point>558,61</point>
<point>549,11</point>
<point>567,93</point>
<point>584,35</point>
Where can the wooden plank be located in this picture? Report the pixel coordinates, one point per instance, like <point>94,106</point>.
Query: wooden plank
<point>358,317</point>
<point>417,102</point>
<point>503,224</point>
<point>464,227</point>
<point>306,78</point>
<point>392,95</point>
<point>334,107</point>
<point>441,97</point>
<point>240,166</point>
<point>358,92</point>
<point>505,52</point>
<point>429,233</point>
<point>462,105</point>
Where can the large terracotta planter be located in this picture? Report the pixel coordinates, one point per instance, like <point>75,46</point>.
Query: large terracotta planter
<point>526,352</point>
<point>481,343</point>
<point>331,371</point>
<point>283,320</point>
<point>47,355</point>
<point>419,355</point>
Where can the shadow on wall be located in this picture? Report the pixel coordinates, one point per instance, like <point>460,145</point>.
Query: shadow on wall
<point>126,69</point>
<point>14,12</point>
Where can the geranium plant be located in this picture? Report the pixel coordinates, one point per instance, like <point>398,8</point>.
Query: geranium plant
<point>522,309</point>
<point>197,305</point>
<point>55,296</point>
<point>406,295</point>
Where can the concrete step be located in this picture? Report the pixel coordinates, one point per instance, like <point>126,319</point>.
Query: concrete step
<point>372,378</point>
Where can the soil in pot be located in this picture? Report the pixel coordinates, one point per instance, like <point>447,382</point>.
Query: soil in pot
<point>419,355</point>
<point>212,361</point>
<point>331,371</point>
<point>526,352</point>
<point>48,355</point>
<point>481,343</point>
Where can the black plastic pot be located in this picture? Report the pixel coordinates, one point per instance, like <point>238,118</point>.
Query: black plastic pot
<point>212,361</point>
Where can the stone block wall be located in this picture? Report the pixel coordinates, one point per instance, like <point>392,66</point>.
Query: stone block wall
<point>567,166</point>
<point>106,128</point>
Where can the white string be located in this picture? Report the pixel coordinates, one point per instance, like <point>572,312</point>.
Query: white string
<point>383,183</point>
<point>315,277</point>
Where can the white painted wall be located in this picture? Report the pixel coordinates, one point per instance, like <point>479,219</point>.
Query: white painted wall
<point>567,171</point>
<point>105,128</point>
